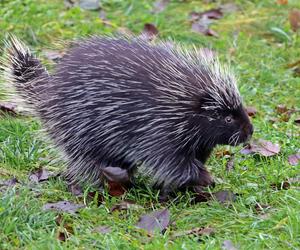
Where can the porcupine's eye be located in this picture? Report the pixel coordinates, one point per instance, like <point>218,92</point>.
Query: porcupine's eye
<point>228,119</point>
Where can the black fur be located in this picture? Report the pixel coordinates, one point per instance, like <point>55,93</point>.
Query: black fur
<point>124,103</point>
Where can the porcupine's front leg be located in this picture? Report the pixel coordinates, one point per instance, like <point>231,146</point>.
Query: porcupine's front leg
<point>191,176</point>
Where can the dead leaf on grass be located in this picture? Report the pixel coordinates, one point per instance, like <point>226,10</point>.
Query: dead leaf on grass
<point>228,245</point>
<point>251,111</point>
<point>10,182</point>
<point>155,221</point>
<point>125,205</point>
<point>294,159</point>
<point>282,2</point>
<point>41,175</point>
<point>262,147</point>
<point>294,18</point>
<point>230,164</point>
<point>8,108</point>
<point>200,231</point>
<point>102,229</point>
<point>63,206</point>
<point>150,32</point>
<point>160,5</point>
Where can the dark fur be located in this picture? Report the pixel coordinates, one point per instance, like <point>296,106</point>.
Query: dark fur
<point>104,106</point>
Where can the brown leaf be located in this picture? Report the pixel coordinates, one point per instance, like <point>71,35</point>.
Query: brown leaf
<point>155,221</point>
<point>10,182</point>
<point>201,26</point>
<point>200,231</point>
<point>297,120</point>
<point>228,245</point>
<point>228,8</point>
<point>160,5</point>
<point>125,205</point>
<point>282,2</point>
<point>261,208</point>
<point>280,186</point>
<point>150,32</point>
<point>94,196</point>
<point>294,18</point>
<point>251,111</point>
<point>8,108</point>
<point>116,189</point>
<point>65,229</point>
<point>281,108</point>
<point>224,196</point>
<point>75,189</point>
<point>262,147</point>
<point>41,175</point>
<point>63,206</point>
<point>294,159</point>
<point>102,229</point>
<point>230,164</point>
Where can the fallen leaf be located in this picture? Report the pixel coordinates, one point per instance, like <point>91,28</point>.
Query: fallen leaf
<point>294,18</point>
<point>230,164</point>
<point>41,175</point>
<point>10,182</point>
<point>75,189</point>
<point>200,231</point>
<point>262,147</point>
<point>116,189</point>
<point>125,205</point>
<point>280,186</point>
<point>228,8</point>
<point>282,2</point>
<point>281,108</point>
<point>160,5</point>
<point>89,4</point>
<point>96,197</point>
<point>251,111</point>
<point>202,26</point>
<point>63,206</point>
<point>102,229</point>
<point>8,108</point>
<point>155,221</point>
<point>150,32</point>
<point>65,229</point>
<point>294,159</point>
<point>261,207</point>
<point>228,245</point>
<point>224,196</point>
<point>297,120</point>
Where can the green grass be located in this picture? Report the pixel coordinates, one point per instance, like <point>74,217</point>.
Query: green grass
<point>259,55</point>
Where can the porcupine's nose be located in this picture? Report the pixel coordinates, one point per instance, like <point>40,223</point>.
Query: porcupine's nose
<point>248,131</point>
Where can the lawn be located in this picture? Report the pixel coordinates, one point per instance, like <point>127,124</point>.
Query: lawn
<point>256,39</point>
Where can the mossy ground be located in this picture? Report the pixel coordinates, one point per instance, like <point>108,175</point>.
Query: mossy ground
<point>257,41</point>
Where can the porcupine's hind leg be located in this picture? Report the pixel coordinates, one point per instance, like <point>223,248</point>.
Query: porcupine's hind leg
<point>190,176</point>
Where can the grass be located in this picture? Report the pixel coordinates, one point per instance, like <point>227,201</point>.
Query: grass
<point>258,43</point>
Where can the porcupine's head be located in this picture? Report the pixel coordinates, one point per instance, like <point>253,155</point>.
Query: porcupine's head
<point>219,113</point>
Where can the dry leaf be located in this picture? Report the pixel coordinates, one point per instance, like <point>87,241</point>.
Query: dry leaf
<point>262,147</point>
<point>102,229</point>
<point>160,5</point>
<point>125,205</point>
<point>63,206</point>
<point>41,175</point>
<point>251,111</point>
<point>294,159</point>
<point>200,231</point>
<point>155,221</point>
<point>150,32</point>
<point>8,108</point>
<point>294,18</point>
<point>282,2</point>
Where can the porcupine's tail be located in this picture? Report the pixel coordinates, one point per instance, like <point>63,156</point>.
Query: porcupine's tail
<point>24,73</point>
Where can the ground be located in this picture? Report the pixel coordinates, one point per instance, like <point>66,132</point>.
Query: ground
<point>257,41</point>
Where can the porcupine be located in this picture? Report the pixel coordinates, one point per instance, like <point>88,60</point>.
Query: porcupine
<point>123,102</point>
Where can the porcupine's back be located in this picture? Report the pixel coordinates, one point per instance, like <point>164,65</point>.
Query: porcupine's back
<point>116,102</point>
